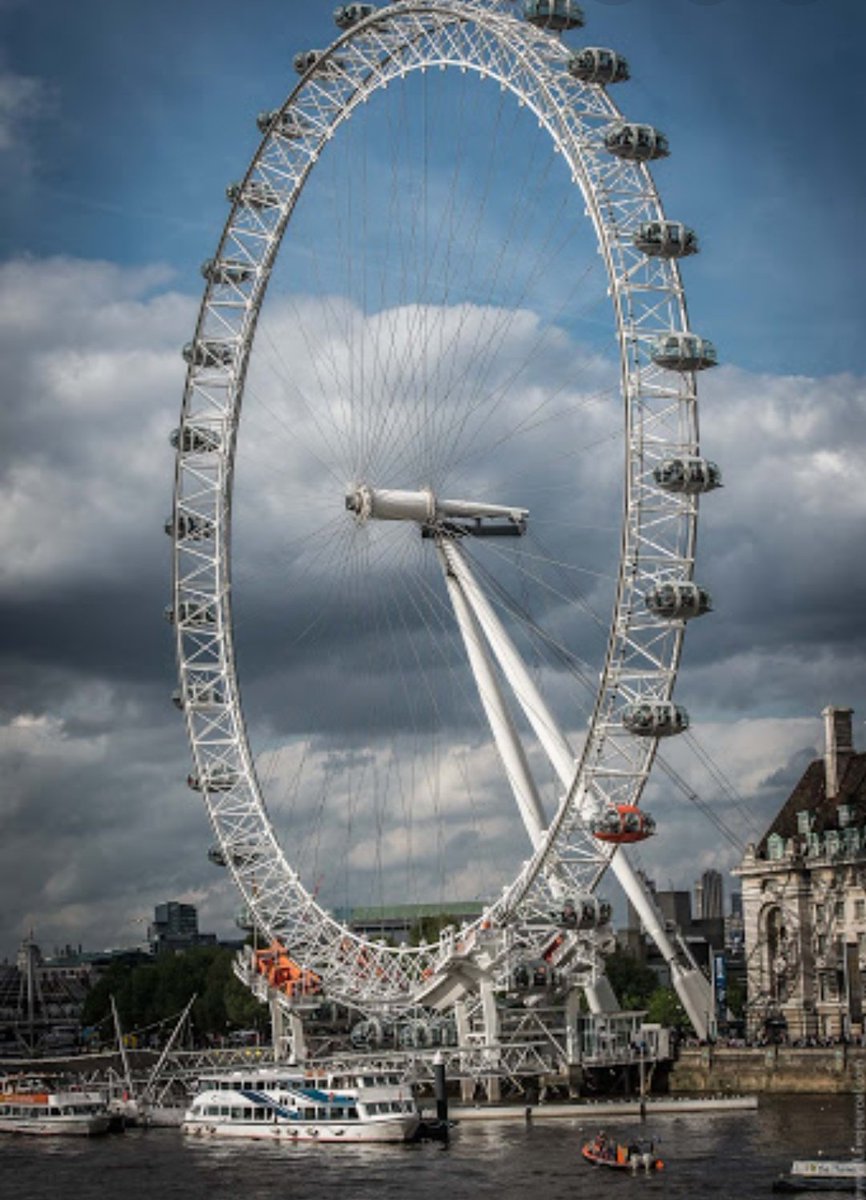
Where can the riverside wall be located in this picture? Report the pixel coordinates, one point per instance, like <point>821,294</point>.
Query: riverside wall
<point>723,1070</point>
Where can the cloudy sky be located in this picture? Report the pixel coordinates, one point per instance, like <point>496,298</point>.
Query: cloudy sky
<point>120,126</point>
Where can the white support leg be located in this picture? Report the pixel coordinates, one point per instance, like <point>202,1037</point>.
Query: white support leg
<point>691,986</point>
<point>504,732</point>
<point>537,713</point>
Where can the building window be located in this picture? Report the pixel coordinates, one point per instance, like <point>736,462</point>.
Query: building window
<point>804,821</point>
<point>843,814</point>
<point>831,841</point>
<point>859,910</point>
<point>820,913</point>
<point>840,910</point>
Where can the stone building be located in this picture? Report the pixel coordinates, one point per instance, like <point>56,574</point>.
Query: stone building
<point>804,900</point>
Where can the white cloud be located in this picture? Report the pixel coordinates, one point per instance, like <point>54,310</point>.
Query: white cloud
<point>22,98</point>
<point>96,756</point>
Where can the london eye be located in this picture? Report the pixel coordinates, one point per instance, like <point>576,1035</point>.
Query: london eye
<point>439,455</point>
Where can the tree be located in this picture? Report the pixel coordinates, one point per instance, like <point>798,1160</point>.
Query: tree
<point>664,1008</point>
<point>158,991</point>
<point>632,980</point>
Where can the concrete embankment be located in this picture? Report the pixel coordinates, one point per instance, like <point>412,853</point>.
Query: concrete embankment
<point>601,1109</point>
<point>723,1070</point>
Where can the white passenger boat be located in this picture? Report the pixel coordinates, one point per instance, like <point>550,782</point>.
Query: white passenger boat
<point>44,1106</point>
<point>287,1103</point>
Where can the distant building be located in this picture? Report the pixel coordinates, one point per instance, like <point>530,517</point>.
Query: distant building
<point>734,929</point>
<point>804,900</point>
<point>398,922</point>
<point>41,999</point>
<point>709,896</point>
<point>701,935</point>
<point>175,927</point>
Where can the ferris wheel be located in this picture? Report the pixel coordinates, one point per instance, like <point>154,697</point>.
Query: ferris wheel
<point>398,306</point>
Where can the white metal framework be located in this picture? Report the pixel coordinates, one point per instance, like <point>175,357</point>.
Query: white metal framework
<point>663,478</point>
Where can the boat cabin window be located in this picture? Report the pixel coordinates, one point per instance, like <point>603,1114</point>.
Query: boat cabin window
<point>352,1114</point>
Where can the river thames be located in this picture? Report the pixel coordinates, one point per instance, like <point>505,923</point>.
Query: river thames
<point>726,1154</point>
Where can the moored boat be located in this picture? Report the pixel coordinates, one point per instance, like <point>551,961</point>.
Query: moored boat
<point>823,1175</point>
<point>31,1105</point>
<point>287,1103</point>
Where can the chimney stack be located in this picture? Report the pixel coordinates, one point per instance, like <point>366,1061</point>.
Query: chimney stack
<point>838,746</point>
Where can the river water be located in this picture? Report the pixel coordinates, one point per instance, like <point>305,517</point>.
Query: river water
<point>730,1155</point>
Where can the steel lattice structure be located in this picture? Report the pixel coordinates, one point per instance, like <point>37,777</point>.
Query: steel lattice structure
<point>659,524</point>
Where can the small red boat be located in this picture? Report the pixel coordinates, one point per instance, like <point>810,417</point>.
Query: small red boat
<point>603,1152</point>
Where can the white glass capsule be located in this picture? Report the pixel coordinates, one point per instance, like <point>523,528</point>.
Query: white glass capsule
<point>347,15</point>
<point>214,779</point>
<point>678,600</point>
<point>196,439</point>
<point>584,912</point>
<point>637,143</point>
<point>594,64</point>
<point>666,239</point>
<point>226,271</point>
<point>655,718</point>
<point>307,60</point>
<point>208,354</point>
<point>680,351</point>
<point>189,528</point>
<point>289,124</point>
<point>556,15</point>
<point>255,193</point>
<point>687,476</point>
<point>196,614</point>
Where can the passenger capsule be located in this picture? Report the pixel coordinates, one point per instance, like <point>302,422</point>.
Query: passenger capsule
<point>288,124</point>
<point>655,718</point>
<point>239,855</point>
<point>226,271</point>
<point>199,696</point>
<point>189,528</point>
<point>347,15</point>
<point>637,143</point>
<point>678,600</point>
<point>196,439</point>
<point>594,64</point>
<point>245,920</point>
<point>307,60</point>
<point>255,193</point>
<point>585,912</point>
<point>553,14</point>
<point>666,239</point>
<point>195,614</point>
<point>214,779</point>
<point>683,352</point>
<point>208,353</point>
<point>622,824</point>
<point>217,856</point>
<point>687,476</point>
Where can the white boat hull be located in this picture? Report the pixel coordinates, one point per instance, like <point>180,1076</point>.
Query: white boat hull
<point>398,1129</point>
<point>79,1126</point>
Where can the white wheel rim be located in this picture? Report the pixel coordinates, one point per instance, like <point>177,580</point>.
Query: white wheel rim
<point>659,528</point>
